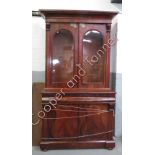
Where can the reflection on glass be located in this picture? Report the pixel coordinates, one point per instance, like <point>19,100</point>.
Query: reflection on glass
<point>55,61</point>
<point>62,62</point>
<point>92,42</point>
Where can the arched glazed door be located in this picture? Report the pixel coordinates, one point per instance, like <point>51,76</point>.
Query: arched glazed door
<point>63,54</point>
<point>93,57</point>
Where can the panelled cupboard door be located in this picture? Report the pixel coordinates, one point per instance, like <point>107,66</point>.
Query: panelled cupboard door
<point>62,54</point>
<point>78,122</point>
<point>92,57</point>
<point>61,123</point>
<point>97,123</point>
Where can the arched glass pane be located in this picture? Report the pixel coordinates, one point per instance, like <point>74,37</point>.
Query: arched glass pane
<point>63,46</point>
<point>92,43</point>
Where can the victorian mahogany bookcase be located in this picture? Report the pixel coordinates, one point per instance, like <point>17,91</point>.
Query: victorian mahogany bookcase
<point>78,104</point>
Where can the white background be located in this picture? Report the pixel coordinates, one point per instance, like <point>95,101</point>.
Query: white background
<point>138,50</point>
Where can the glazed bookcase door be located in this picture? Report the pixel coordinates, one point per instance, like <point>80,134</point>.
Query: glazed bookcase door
<point>62,54</point>
<point>92,57</point>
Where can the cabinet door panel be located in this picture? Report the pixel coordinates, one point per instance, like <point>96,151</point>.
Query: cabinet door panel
<point>63,54</point>
<point>62,123</point>
<point>92,56</point>
<point>98,123</point>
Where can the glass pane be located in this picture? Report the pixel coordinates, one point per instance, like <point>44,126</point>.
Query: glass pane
<point>62,62</point>
<point>92,43</point>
